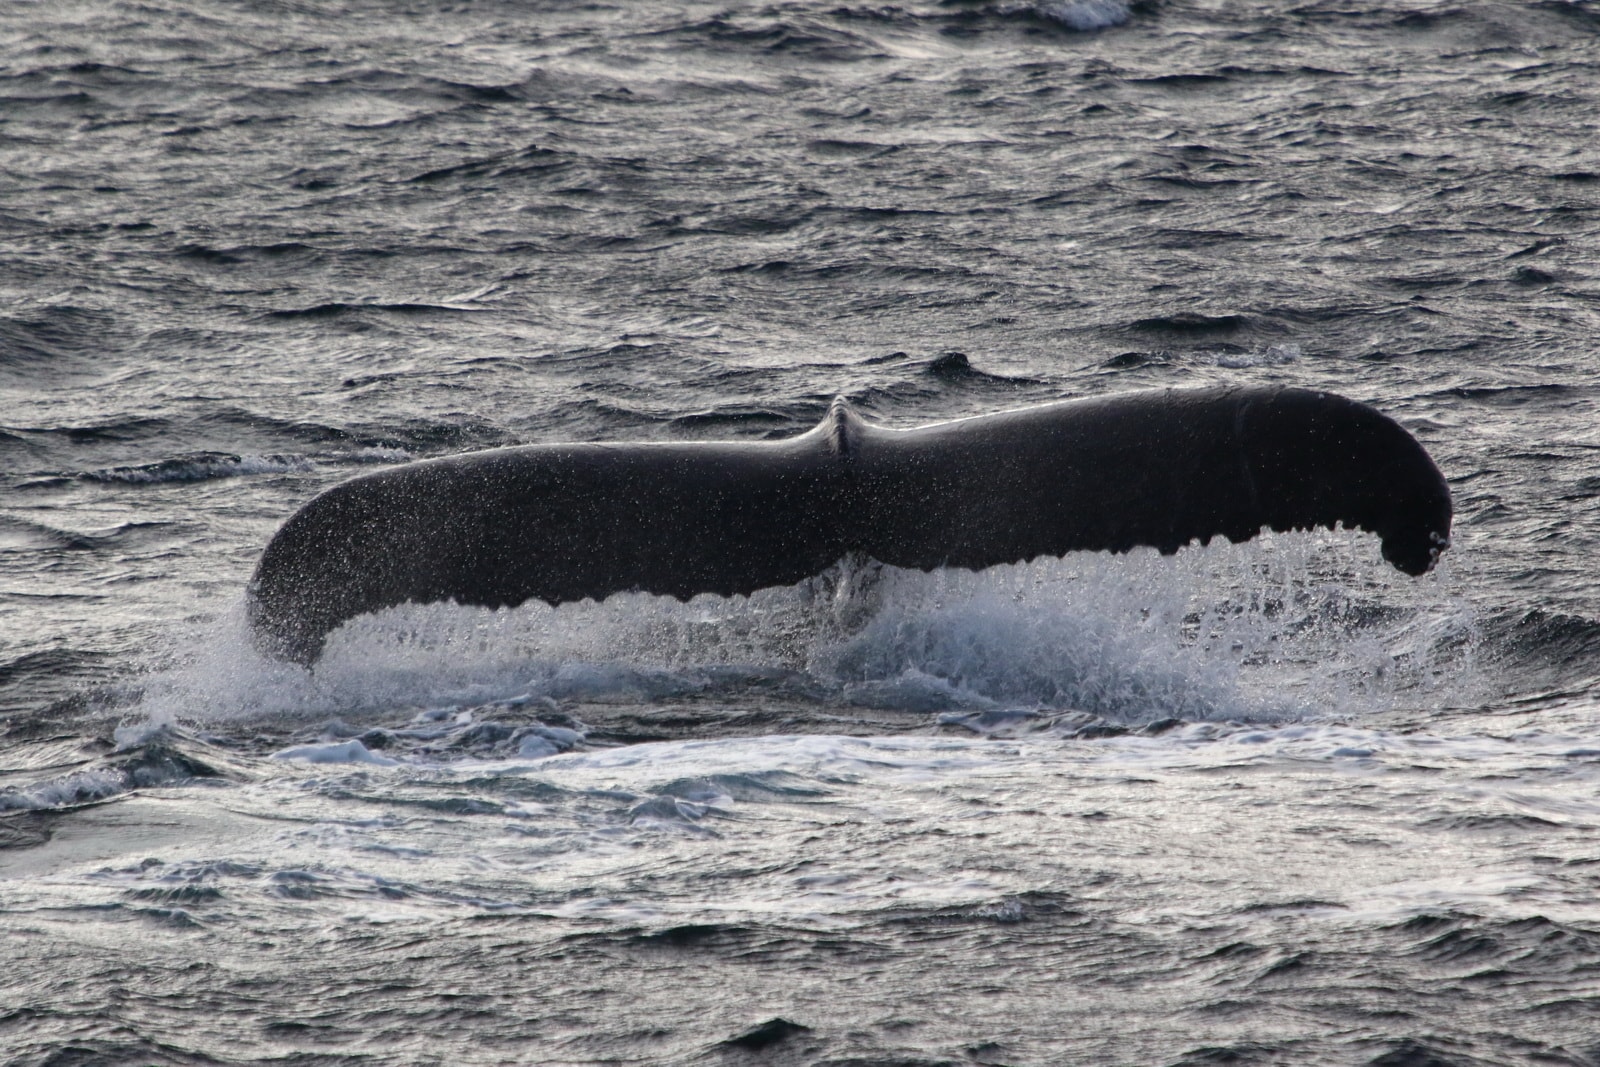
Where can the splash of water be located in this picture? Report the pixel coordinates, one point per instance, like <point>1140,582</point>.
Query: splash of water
<point>1286,627</point>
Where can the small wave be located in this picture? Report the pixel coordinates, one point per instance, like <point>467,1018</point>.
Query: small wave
<point>527,160</point>
<point>51,336</point>
<point>240,253</point>
<point>957,367</point>
<point>46,677</point>
<point>125,429</point>
<point>800,38</point>
<point>151,765</point>
<point>72,790</point>
<point>335,752</point>
<point>476,733</point>
<point>341,307</point>
<point>1020,722</point>
<point>201,467</point>
<point>737,418</point>
<point>1190,323</point>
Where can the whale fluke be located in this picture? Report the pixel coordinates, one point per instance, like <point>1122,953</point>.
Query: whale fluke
<point>564,522</point>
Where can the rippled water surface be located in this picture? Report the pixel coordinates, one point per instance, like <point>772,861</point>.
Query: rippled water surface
<point>1260,804</point>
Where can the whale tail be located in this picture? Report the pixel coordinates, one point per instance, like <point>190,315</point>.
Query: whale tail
<point>568,522</point>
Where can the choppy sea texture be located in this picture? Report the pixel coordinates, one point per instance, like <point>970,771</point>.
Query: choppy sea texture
<point>1307,893</point>
<point>1259,804</point>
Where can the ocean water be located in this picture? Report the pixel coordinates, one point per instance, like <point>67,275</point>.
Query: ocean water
<point>1272,803</point>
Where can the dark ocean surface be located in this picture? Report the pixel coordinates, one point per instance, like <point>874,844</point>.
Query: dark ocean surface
<point>1262,804</point>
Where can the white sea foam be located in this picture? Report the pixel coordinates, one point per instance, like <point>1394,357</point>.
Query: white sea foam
<point>1284,628</point>
<point>142,732</point>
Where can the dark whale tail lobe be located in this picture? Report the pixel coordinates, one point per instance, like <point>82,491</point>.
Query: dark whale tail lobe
<point>567,522</point>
